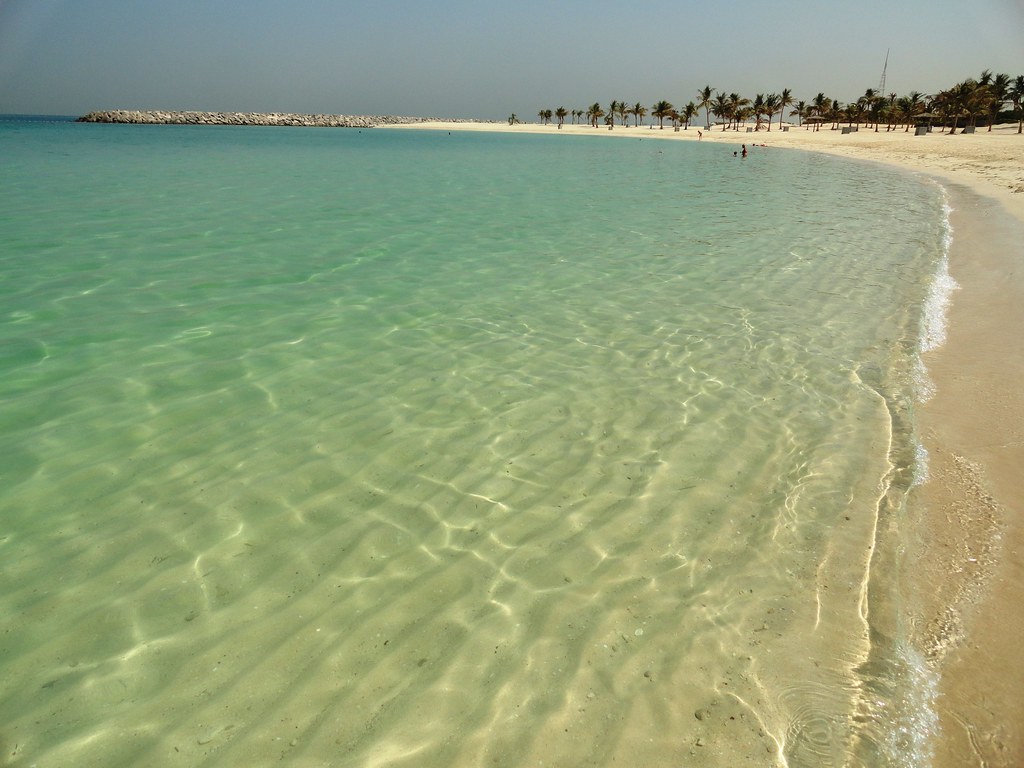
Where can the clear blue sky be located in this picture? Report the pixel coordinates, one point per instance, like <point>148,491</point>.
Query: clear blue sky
<point>483,58</point>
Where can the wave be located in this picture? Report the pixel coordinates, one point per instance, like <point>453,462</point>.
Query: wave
<point>934,319</point>
<point>915,718</point>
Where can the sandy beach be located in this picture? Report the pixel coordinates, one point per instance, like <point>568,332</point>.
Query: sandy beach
<point>965,579</point>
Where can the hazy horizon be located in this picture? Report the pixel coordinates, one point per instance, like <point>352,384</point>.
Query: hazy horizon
<point>454,58</point>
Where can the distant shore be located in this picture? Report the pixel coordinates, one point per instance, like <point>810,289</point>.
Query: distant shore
<point>162,117</point>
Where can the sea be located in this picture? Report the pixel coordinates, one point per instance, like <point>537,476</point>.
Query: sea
<point>392,447</point>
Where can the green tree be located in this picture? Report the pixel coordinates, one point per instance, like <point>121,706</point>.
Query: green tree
<point>772,104</point>
<point>757,108</point>
<point>869,103</point>
<point>623,112</point>
<point>661,110</point>
<point>1016,95</point>
<point>704,97</point>
<point>998,87</point>
<point>820,106</point>
<point>910,107</point>
<point>836,113</point>
<point>594,113</point>
<point>890,110</point>
<point>785,100</point>
<point>560,113</point>
<point>609,120</point>
<point>720,108</point>
<point>968,99</point>
<point>739,109</point>
<point>800,110</point>
<point>941,105</point>
<point>854,113</point>
<point>958,102</point>
<point>639,112</point>
<point>689,112</point>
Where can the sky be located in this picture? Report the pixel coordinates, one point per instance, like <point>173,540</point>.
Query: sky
<point>483,58</point>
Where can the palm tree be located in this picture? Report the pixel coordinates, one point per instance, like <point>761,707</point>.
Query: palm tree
<point>661,110</point>
<point>978,103</point>
<point>967,99</point>
<point>901,113</point>
<point>704,96</point>
<point>560,113</point>
<point>612,109</point>
<point>942,105</point>
<point>512,119</point>
<point>854,113</point>
<point>867,101</point>
<point>836,113</point>
<point>742,114</point>
<point>958,101</point>
<point>639,110</point>
<point>910,106</point>
<point>739,109</point>
<point>758,109</point>
<point>623,112</point>
<point>772,104</point>
<point>890,112</point>
<point>785,100</point>
<point>915,109</point>
<point>594,113</point>
<point>1016,95</point>
<point>998,90</point>
<point>689,112</point>
<point>721,108</point>
<point>876,106</point>
<point>820,105</point>
<point>800,110</point>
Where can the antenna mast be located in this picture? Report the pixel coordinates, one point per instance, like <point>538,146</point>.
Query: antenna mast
<point>881,83</point>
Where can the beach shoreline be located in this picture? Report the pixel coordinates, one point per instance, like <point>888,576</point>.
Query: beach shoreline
<point>965,575</point>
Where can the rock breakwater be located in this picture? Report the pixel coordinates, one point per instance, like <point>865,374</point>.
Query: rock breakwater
<point>159,117</point>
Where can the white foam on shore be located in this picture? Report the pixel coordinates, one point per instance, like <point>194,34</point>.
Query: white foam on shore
<point>933,332</point>
<point>934,321</point>
<point>912,742</point>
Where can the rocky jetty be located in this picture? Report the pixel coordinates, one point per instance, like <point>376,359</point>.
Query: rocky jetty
<point>158,117</point>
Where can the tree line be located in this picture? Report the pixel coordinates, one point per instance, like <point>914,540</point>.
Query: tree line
<point>964,104</point>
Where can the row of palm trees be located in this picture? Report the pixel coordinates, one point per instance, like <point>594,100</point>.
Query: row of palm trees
<point>965,104</point>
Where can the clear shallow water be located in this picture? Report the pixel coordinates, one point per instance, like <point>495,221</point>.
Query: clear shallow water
<point>408,448</point>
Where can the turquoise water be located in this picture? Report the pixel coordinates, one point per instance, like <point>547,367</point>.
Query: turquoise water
<point>406,448</point>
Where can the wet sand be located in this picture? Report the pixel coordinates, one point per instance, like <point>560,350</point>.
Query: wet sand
<point>971,549</point>
<point>965,576</point>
